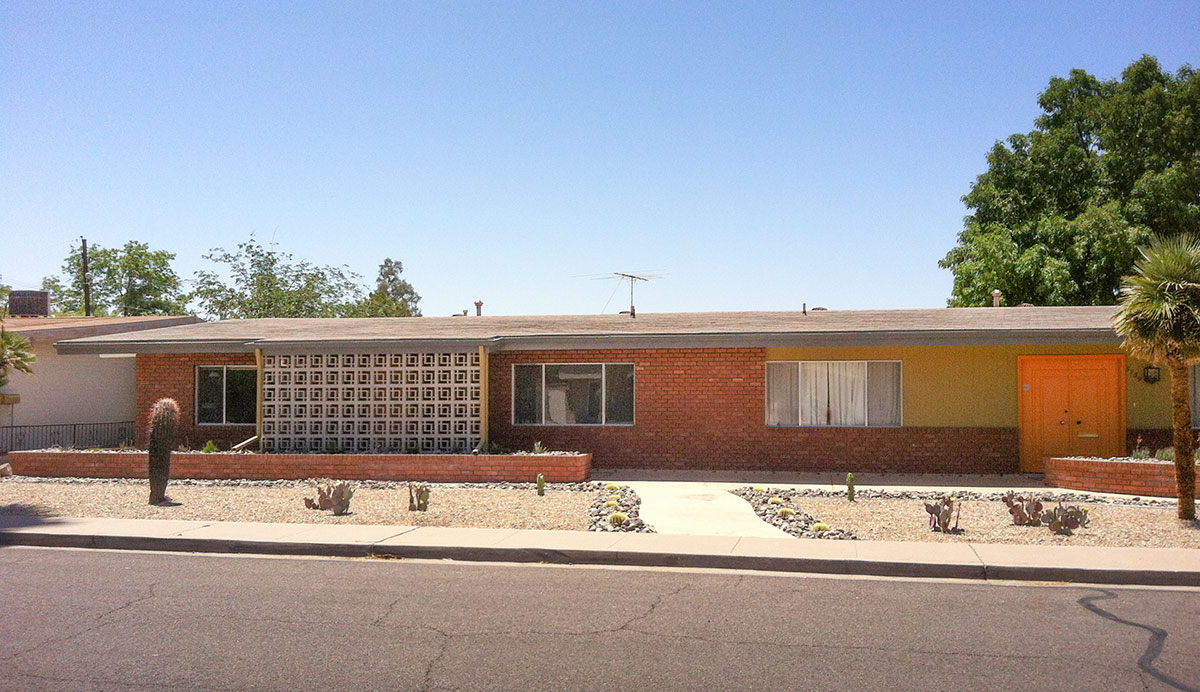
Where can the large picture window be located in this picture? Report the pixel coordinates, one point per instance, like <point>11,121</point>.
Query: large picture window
<point>226,395</point>
<point>834,393</point>
<point>573,394</point>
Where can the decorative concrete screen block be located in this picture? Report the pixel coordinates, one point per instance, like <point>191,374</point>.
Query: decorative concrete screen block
<point>371,402</point>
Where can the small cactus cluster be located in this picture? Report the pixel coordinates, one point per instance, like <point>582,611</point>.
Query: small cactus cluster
<point>850,486</point>
<point>819,527</point>
<point>541,485</point>
<point>418,497</point>
<point>775,501</point>
<point>785,512</point>
<point>164,419</point>
<point>333,496</point>
<point>1064,520</point>
<point>1025,511</point>
<point>618,518</point>
<point>942,512</point>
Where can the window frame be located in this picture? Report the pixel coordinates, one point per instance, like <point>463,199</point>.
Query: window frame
<point>224,395</point>
<point>866,413</point>
<point>603,397</point>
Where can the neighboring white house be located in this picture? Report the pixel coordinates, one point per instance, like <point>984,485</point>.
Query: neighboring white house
<point>75,400</point>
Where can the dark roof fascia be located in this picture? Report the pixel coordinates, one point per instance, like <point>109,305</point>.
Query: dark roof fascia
<point>67,348</point>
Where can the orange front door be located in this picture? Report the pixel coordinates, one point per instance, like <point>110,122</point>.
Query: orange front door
<point>1070,406</point>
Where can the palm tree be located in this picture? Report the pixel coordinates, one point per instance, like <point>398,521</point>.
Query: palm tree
<point>15,354</point>
<point>1160,322</point>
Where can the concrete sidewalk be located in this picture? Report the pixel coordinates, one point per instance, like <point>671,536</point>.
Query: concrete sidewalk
<point>1131,566</point>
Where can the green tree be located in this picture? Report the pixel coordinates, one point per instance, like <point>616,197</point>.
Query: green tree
<point>392,297</point>
<point>1057,217</point>
<point>265,282</point>
<point>16,354</point>
<point>1160,322</point>
<point>5,289</point>
<point>131,280</point>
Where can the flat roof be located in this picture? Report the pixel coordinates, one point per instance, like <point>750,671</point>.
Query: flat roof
<point>1021,325</point>
<point>59,328</point>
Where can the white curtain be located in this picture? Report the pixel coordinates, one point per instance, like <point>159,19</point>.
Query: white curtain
<point>783,392</point>
<point>883,394</point>
<point>848,393</point>
<point>814,394</point>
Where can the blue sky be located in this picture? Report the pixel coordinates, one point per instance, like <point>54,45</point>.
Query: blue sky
<point>756,155</point>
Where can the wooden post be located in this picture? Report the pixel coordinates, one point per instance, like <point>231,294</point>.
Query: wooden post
<point>483,398</point>
<point>258,404</point>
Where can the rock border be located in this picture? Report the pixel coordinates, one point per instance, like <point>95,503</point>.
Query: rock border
<point>799,524</point>
<point>629,502</point>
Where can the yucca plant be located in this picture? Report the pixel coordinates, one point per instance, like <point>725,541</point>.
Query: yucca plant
<point>1160,322</point>
<point>16,355</point>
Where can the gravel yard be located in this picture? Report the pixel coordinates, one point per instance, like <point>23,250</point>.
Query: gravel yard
<point>448,505</point>
<point>988,521</point>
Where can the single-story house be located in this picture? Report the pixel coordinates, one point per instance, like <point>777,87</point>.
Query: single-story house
<point>933,390</point>
<point>72,400</point>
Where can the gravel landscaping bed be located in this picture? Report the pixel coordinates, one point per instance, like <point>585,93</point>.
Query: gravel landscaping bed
<point>627,502</point>
<point>515,505</point>
<point>901,516</point>
<point>768,504</point>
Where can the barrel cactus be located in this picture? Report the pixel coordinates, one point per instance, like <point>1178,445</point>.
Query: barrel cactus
<point>164,420</point>
<point>785,512</point>
<point>618,518</point>
<point>820,527</point>
<point>612,503</point>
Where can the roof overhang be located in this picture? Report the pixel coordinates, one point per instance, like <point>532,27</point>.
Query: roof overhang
<point>941,337</point>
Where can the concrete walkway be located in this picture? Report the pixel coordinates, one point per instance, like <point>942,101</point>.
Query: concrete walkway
<point>706,509</point>
<point>1141,566</point>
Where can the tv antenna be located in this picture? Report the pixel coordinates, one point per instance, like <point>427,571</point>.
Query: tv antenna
<point>633,279</point>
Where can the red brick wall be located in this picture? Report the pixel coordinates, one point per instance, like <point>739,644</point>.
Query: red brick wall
<point>174,375</point>
<point>444,468</point>
<point>1103,476</point>
<point>705,409</point>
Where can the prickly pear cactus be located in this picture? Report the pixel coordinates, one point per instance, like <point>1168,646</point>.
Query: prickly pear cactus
<point>164,419</point>
<point>339,498</point>
<point>418,497</point>
<point>1025,511</point>
<point>941,513</point>
<point>1065,520</point>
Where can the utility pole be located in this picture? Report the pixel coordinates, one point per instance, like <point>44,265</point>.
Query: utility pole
<point>87,283</point>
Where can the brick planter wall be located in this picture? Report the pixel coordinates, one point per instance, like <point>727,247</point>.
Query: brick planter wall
<point>444,468</point>
<point>705,409</point>
<point>1130,477</point>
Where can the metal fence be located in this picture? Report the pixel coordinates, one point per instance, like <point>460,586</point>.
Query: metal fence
<point>78,435</point>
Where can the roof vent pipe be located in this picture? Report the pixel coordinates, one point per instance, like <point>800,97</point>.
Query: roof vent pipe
<point>997,294</point>
<point>478,308</point>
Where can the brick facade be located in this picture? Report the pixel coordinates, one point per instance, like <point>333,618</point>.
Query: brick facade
<point>440,468</point>
<point>705,409</point>
<point>1129,477</point>
<point>174,375</point>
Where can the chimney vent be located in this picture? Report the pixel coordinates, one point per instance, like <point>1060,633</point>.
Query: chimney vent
<point>997,294</point>
<point>478,308</point>
<point>29,303</point>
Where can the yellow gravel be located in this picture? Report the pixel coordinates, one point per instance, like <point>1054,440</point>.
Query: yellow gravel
<point>990,522</point>
<point>459,507</point>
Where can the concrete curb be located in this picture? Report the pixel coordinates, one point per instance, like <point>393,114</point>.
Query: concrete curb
<point>638,558</point>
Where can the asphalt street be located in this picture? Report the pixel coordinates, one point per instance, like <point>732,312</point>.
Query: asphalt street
<point>108,620</point>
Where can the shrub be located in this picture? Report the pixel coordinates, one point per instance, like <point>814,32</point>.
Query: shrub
<point>618,518</point>
<point>497,448</point>
<point>820,527</point>
<point>940,514</point>
<point>164,418</point>
<point>1165,454</point>
<point>332,447</point>
<point>775,501</point>
<point>785,512</point>
<point>1139,452</point>
<point>209,447</point>
<point>539,448</point>
<point>1025,511</point>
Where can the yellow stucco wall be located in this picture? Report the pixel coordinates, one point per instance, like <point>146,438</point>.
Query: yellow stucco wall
<point>976,386</point>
